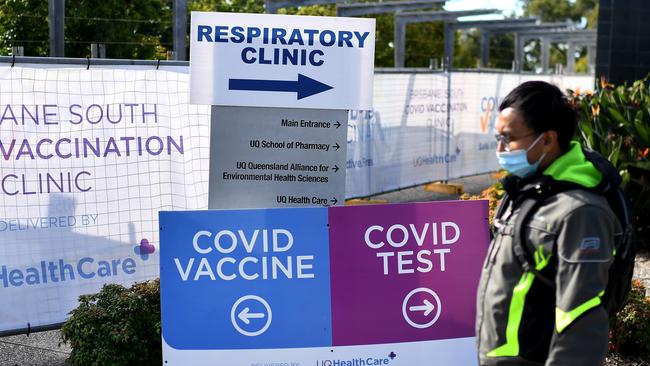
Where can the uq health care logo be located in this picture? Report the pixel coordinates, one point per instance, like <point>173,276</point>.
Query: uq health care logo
<point>489,112</point>
<point>358,361</point>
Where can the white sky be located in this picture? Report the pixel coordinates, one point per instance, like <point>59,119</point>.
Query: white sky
<point>507,6</point>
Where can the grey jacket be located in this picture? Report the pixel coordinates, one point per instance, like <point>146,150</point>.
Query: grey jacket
<point>523,321</point>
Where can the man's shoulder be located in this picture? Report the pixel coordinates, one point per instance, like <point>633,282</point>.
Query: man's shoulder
<point>572,205</point>
<point>579,201</point>
<point>585,226</point>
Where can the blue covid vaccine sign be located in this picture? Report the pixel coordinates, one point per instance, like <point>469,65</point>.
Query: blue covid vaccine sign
<point>248,279</point>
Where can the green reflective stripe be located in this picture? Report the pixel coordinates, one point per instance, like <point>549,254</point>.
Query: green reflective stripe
<point>516,310</point>
<point>511,348</point>
<point>563,320</point>
<point>573,167</point>
<point>540,260</point>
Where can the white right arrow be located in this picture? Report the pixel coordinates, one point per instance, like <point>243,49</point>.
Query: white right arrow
<point>427,307</point>
<point>246,316</point>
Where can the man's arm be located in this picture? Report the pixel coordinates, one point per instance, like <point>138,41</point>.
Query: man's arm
<point>584,248</point>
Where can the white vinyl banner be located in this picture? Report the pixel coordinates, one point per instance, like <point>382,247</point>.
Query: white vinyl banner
<point>89,157</point>
<point>403,141</point>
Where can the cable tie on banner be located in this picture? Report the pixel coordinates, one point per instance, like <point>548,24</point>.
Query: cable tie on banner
<point>158,64</point>
<point>88,64</point>
<point>29,329</point>
<point>13,60</point>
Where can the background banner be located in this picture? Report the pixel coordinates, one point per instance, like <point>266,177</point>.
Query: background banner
<point>89,157</point>
<point>406,140</point>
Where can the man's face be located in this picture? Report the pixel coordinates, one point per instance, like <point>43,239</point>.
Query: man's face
<point>514,130</point>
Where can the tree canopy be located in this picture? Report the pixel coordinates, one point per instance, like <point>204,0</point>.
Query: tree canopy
<point>24,23</point>
<point>138,29</point>
<point>582,12</point>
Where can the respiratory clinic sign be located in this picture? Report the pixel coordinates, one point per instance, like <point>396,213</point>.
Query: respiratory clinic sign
<point>282,61</point>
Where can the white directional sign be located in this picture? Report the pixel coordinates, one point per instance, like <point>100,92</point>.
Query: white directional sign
<point>277,157</point>
<point>281,61</point>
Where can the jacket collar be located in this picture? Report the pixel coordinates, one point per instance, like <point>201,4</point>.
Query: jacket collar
<point>574,167</point>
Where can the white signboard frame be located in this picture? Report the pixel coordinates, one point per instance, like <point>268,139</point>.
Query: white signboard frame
<point>285,61</point>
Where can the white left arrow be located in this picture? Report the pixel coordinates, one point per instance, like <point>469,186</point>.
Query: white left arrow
<point>245,315</point>
<point>427,307</point>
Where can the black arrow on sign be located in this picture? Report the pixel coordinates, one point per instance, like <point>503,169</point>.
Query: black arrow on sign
<point>337,147</point>
<point>337,124</point>
<point>336,168</point>
<point>303,87</point>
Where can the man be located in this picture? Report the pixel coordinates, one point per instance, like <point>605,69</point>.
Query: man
<point>549,313</point>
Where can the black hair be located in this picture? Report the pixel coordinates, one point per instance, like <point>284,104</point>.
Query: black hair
<point>543,107</point>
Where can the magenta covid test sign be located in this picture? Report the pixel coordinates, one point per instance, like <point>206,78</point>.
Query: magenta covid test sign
<point>339,286</point>
<point>406,272</point>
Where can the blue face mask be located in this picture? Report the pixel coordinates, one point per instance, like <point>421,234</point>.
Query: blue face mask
<point>516,162</point>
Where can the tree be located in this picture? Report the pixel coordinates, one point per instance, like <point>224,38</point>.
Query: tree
<point>560,10</point>
<point>502,51</point>
<point>583,12</point>
<point>142,29</point>
<point>24,23</point>
<point>138,29</point>
<point>467,49</point>
<point>130,29</point>
<point>314,10</point>
<point>587,10</point>
<point>384,47</point>
<point>233,6</point>
<point>423,42</point>
<point>548,10</point>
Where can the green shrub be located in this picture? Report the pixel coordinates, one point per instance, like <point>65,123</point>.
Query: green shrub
<point>615,121</point>
<point>117,326</point>
<point>493,194</point>
<point>630,328</point>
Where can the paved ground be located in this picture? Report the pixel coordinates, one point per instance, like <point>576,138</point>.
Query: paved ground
<point>472,185</point>
<point>37,349</point>
<point>642,272</point>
